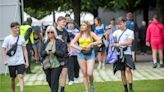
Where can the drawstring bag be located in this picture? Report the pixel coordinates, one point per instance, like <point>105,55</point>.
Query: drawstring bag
<point>112,53</point>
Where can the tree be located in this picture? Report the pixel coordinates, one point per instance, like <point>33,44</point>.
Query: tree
<point>160,9</point>
<point>41,8</point>
<point>92,6</point>
<point>77,10</point>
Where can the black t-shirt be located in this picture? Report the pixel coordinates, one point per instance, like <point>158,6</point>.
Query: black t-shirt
<point>64,34</point>
<point>63,46</point>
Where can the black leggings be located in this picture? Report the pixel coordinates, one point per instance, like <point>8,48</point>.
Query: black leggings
<point>52,77</point>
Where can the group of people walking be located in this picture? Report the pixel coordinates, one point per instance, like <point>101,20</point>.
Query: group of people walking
<point>66,48</point>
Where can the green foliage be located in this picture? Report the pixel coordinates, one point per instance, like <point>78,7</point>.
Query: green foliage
<point>39,13</point>
<point>40,8</point>
<point>117,4</point>
<point>48,5</point>
<point>139,86</point>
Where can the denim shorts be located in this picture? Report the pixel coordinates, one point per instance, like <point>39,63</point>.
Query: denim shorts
<point>81,56</point>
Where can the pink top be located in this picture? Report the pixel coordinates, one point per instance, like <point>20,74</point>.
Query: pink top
<point>155,33</point>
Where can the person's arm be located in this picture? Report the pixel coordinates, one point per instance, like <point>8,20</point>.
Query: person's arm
<point>42,52</point>
<point>127,43</point>
<point>4,56</point>
<point>4,51</point>
<point>25,56</point>
<point>75,41</point>
<point>96,38</point>
<point>28,33</point>
<point>148,35</point>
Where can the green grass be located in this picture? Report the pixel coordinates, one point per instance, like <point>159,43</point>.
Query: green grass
<point>139,86</point>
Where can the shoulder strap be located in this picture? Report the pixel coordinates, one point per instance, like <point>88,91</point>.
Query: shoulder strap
<point>121,35</point>
<point>17,40</point>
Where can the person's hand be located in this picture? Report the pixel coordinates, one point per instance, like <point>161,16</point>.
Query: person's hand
<point>5,63</point>
<point>82,49</point>
<point>50,52</point>
<point>70,52</point>
<point>90,46</point>
<point>26,65</point>
<point>116,44</point>
<point>148,44</point>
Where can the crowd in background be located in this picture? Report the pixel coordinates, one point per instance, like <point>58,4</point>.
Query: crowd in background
<point>68,48</point>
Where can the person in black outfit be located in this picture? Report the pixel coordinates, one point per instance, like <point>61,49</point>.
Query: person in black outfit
<point>49,50</point>
<point>142,37</point>
<point>63,35</point>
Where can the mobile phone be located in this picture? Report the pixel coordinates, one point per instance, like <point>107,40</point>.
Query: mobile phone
<point>49,50</point>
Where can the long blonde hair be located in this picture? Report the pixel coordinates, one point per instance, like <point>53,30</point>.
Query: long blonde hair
<point>88,32</point>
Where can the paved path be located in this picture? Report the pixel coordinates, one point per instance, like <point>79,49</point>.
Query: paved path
<point>144,71</point>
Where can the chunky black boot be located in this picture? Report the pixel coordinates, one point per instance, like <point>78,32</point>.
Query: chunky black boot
<point>126,88</point>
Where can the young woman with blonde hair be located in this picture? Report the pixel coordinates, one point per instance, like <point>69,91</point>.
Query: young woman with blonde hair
<point>86,56</point>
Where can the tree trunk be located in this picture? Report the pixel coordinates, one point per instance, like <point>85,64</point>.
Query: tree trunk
<point>53,13</point>
<point>131,6</point>
<point>160,9</point>
<point>77,10</point>
<point>146,11</point>
<point>95,13</point>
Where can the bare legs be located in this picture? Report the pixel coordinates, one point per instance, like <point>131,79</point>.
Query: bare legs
<point>87,71</point>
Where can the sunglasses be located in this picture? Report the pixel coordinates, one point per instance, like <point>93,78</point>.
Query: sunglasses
<point>50,32</point>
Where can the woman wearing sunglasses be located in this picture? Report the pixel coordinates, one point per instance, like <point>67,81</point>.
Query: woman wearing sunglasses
<point>51,65</point>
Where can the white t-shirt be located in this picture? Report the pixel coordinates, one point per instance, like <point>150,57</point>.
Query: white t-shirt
<point>128,34</point>
<point>18,58</point>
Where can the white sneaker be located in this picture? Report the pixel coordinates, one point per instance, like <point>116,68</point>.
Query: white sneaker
<point>76,80</point>
<point>99,66</point>
<point>70,82</point>
<point>103,66</point>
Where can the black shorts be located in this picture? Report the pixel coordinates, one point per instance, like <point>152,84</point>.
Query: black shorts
<point>127,63</point>
<point>18,69</point>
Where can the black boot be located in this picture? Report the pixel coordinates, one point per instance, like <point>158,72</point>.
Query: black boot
<point>126,88</point>
<point>61,89</point>
<point>131,87</point>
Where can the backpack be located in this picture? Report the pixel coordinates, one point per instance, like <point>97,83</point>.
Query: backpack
<point>130,25</point>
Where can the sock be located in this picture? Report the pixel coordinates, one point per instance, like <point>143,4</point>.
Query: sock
<point>161,62</point>
<point>86,90</point>
<point>103,64</point>
<point>130,86</point>
<point>126,88</point>
<point>154,61</point>
<point>61,89</point>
